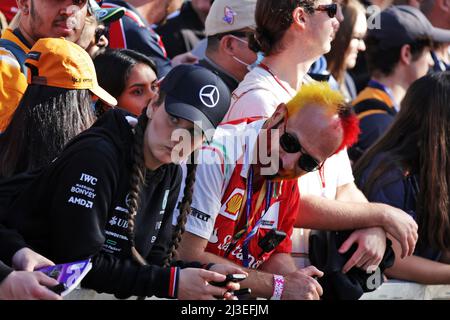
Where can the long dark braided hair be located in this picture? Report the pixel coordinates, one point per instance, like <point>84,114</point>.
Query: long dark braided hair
<point>185,209</point>
<point>136,182</point>
<point>138,171</point>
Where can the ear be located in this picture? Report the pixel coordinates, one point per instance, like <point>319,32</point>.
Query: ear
<point>151,109</point>
<point>444,5</point>
<point>278,115</point>
<point>24,6</point>
<point>153,105</point>
<point>227,45</point>
<point>299,17</point>
<point>405,54</point>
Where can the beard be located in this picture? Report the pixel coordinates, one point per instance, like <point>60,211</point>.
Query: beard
<point>36,19</point>
<point>74,21</point>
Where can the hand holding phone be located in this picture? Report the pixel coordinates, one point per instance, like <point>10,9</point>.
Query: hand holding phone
<point>58,289</point>
<point>232,277</point>
<point>241,293</point>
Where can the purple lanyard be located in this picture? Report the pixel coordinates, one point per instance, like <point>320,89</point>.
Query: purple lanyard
<point>253,232</point>
<point>255,229</point>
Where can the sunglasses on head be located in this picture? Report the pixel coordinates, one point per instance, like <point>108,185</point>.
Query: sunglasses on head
<point>290,144</point>
<point>331,9</point>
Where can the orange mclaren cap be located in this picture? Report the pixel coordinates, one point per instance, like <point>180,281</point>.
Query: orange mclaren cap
<point>57,62</point>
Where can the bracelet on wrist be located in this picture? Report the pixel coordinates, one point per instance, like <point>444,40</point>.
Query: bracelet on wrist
<point>278,287</point>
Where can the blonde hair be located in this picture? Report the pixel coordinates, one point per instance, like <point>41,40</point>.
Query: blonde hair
<point>319,94</point>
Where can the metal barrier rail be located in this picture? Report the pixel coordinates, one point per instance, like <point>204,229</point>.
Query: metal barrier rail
<point>401,290</point>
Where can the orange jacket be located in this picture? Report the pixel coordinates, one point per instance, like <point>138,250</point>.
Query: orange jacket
<point>13,82</point>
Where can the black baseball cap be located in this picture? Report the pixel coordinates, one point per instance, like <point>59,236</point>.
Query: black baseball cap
<point>196,94</point>
<point>400,25</point>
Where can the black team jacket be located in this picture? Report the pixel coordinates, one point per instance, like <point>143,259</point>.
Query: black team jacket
<point>77,208</point>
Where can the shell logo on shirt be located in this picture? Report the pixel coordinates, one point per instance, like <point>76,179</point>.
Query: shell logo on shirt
<point>231,207</point>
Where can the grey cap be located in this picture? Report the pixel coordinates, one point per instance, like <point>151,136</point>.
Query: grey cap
<point>230,15</point>
<point>400,25</point>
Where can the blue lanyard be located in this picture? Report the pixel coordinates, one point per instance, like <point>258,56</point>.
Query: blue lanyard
<point>377,85</point>
<point>255,229</point>
<point>253,232</point>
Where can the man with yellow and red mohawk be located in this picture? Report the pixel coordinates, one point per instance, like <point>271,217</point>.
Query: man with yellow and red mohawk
<point>246,198</point>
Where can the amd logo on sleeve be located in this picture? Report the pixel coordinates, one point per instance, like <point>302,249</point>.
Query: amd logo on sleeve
<point>82,193</point>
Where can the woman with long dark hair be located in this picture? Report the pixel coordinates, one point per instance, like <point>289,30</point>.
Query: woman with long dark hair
<point>53,109</point>
<point>347,43</point>
<point>46,119</point>
<point>111,193</point>
<point>409,167</point>
<point>129,76</point>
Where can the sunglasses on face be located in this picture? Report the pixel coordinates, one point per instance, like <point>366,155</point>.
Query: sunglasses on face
<point>290,144</point>
<point>331,9</point>
<point>99,32</point>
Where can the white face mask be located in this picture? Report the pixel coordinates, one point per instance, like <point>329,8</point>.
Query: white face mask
<point>254,64</point>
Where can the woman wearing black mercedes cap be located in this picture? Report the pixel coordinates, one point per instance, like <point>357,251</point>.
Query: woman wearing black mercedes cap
<point>111,193</point>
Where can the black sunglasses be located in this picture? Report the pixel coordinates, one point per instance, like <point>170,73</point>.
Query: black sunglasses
<point>290,144</point>
<point>101,31</point>
<point>331,9</point>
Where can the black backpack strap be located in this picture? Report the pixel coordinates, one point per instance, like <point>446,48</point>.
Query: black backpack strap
<point>17,52</point>
<point>373,104</point>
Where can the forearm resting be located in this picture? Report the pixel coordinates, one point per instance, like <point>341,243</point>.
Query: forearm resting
<point>418,269</point>
<point>324,214</point>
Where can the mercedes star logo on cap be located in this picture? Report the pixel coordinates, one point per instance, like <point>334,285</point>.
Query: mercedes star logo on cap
<point>209,95</point>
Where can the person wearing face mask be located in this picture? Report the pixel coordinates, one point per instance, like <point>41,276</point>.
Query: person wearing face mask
<point>227,53</point>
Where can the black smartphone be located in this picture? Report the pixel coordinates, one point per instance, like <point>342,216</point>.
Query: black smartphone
<point>271,240</point>
<point>59,288</point>
<point>242,292</point>
<point>232,277</point>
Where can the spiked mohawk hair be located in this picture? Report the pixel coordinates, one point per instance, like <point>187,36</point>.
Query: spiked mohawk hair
<point>320,94</point>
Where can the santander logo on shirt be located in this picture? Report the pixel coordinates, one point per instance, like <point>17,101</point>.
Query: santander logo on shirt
<point>237,255</point>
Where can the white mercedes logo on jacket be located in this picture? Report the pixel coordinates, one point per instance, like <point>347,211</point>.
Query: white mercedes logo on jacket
<point>209,95</point>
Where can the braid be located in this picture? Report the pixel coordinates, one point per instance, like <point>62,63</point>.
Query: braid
<point>185,209</point>
<point>136,182</point>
